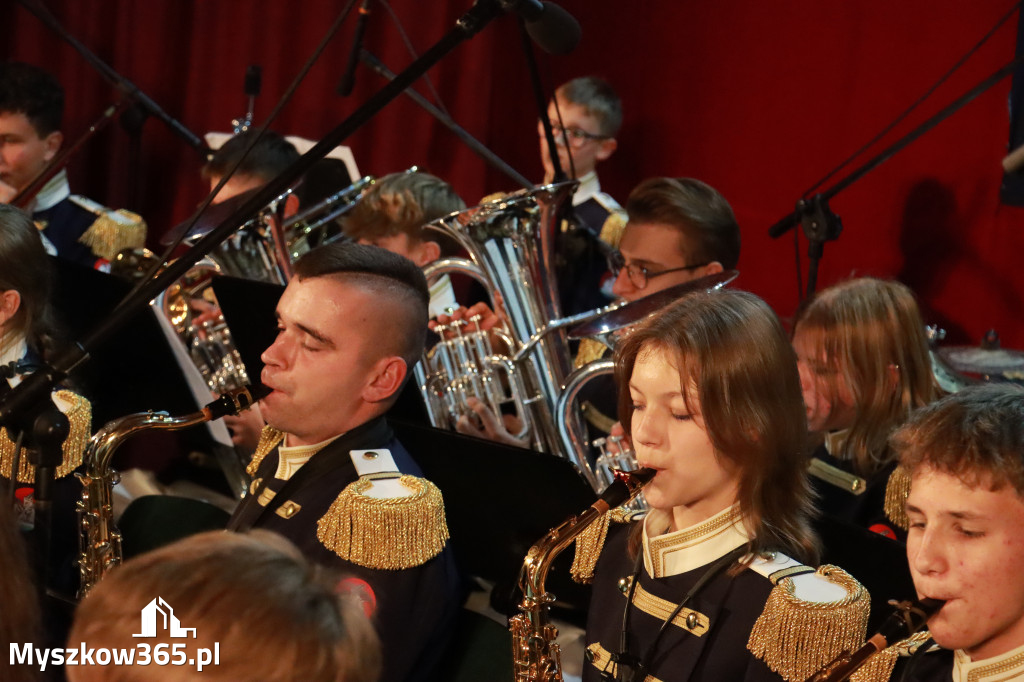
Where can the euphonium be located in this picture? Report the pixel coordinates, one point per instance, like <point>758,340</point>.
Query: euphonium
<point>510,243</point>
<point>535,655</point>
<point>99,541</point>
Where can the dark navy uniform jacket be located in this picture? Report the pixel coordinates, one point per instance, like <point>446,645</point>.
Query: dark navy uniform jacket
<point>415,607</point>
<point>732,604</point>
<point>65,222</point>
<point>866,509</point>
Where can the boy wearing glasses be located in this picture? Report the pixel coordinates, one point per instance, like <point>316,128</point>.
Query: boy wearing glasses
<point>585,121</point>
<point>679,229</point>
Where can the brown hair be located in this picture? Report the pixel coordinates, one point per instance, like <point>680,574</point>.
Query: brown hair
<point>27,89</point>
<point>866,328</point>
<point>268,158</point>
<point>598,98</point>
<point>275,616</point>
<point>25,268</point>
<point>403,203</point>
<point>396,282</point>
<point>707,227</point>
<point>975,434</point>
<point>731,346</point>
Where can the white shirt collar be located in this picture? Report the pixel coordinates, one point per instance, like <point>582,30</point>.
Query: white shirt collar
<point>291,458</point>
<point>1008,666</point>
<point>667,554</point>
<point>12,349</point>
<point>53,192</point>
<point>588,189</point>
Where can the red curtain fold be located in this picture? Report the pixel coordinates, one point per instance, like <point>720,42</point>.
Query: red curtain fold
<point>758,99</point>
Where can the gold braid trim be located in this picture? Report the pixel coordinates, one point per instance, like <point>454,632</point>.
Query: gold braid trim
<point>389,533</point>
<point>880,666</point>
<point>611,231</point>
<point>897,490</point>
<point>269,438</point>
<point>602,660</point>
<point>114,231</point>
<point>79,416</point>
<point>795,637</point>
<point>590,542</point>
<point>588,351</point>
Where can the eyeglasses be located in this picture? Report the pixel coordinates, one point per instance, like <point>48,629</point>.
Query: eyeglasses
<point>577,136</point>
<point>639,275</point>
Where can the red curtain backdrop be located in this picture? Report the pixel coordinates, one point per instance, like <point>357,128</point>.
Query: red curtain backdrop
<point>758,99</point>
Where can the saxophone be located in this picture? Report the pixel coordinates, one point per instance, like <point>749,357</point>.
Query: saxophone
<point>535,655</point>
<point>99,540</point>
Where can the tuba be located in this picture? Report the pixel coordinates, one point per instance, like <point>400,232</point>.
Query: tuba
<point>535,655</point>
<point>99,541</point>
<point>510,243</point>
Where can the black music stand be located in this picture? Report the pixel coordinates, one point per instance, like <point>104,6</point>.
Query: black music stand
<point>131,372</point>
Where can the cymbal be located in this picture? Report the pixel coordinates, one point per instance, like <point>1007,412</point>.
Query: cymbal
<point>634,311</point>
<point>983,361</point>
<point>213,216</point>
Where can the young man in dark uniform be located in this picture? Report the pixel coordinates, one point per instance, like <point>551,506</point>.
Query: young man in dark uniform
<point>965,455</point>
<point>76,228</point>
<point>352,322</point>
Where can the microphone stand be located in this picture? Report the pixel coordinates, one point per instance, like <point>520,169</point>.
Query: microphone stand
<point>125,86</point>
<point>474,144</point>
<point>30,393</point>
<point>542,107</point>
<point>813,214</point>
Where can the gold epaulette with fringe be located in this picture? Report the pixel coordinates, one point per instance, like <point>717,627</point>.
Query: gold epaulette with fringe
<point>590,542</point>
<point>386,533</point>
<point>611,231</point>
<point>269,438</point>
<point>795,637</point>
<point>897,490</point>
<point>588,351</point>
<point>880,666</point>
<point>112,231</point>
<point>79,414</point>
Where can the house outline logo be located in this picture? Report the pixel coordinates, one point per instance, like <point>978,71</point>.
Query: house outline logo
<point>159,610</point>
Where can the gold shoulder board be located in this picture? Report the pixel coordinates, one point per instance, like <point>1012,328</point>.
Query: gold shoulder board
<point>809,618</point>
<point>386,533</point>
<point>78,410</point>
<point>112,231</point>
<point>897,490</point>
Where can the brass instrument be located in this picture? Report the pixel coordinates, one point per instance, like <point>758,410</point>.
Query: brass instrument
<point>262,249</point>
<point>535,655</point>
<point>311,224</point>
<point>99,541</point>
<point>510,243</point>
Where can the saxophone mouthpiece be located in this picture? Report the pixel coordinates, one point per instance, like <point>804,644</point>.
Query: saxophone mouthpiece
<point>625,487</point>
<point>238,400</point>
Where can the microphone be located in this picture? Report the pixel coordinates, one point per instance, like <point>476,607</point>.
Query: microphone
<point>348,79</point>
<point>251,86</point>
<point>253,80</point>
<point>551,27</point>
